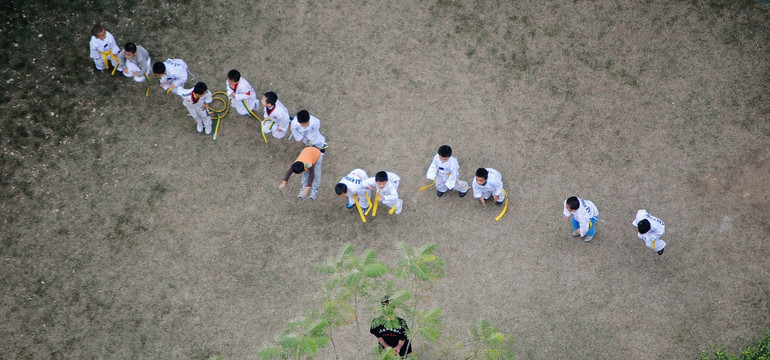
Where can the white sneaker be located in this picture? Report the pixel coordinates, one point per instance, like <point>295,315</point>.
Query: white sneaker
<point>313,193</point>
<point>575,233</point>
<point>299,194</point>
<point>208,130</point>
<point>399,206</point>
<point>200,128</point>
<point>588,238</point>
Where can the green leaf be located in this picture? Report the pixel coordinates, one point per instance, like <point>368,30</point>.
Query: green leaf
<point>375,270</point>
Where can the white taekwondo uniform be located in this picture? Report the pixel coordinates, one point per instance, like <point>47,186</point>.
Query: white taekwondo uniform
<point>446,175</point>
<point>657,228</point>
<point>276,120</point>
<point>243,92</point>
<point>494,186</point>
<point>197,108</point>
<point>309,135</point>
<point>98,46</point>
<point>389,193</point>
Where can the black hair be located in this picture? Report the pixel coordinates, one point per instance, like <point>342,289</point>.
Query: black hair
<point>234,75</point>
<point>271,97</point>
<point>340,188</point>
<point>97,29</point>
<point>298,167</point>
<point>444,151</point>
<point>482,173</point>
<point>303,116</point>
<point>200,88</point>
<point>643,226</point>
<point>381,176</point>
<point>573,203</point>
<point>158,68</point>
<point>130,47</point>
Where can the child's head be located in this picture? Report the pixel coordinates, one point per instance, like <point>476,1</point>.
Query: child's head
<point>573,203</point>
<point>99,32</point>
<point>381,178</point>
<point>130,50</point>
<point>269,99</point>
<point>158,68</point>
<point>303,118</point>
<point>643,226</point>
<point>481,176</point>
<point>444,152</point>
<point>233,77</point>
<point>298,167</point>
<point>200,88</point>
<point>341,189</point>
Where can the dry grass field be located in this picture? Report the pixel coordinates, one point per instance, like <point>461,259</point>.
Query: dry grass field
<point>127,235</point>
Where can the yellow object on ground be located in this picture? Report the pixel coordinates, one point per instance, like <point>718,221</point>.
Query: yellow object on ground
<point>505,207</point>
<point>360,212</point>
<point>426,187</point>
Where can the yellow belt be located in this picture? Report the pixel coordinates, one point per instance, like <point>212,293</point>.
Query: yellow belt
<point>107,64</point>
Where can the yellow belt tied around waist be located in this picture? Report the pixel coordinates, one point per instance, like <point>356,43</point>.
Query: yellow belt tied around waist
<point>106,63</point>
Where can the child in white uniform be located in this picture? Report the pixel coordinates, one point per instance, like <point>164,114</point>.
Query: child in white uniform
<point>446,171</point>
<point>488,182</point>
<point>103,48</point>
<point>240,92</point>
<point>195,101</point>
<point>306,129</point>
<point>386,184</point>
<point>583,214</point>
<point>352,186</point>
<point>172,73</point>
<point>650,230</point>
<point>275,119</point>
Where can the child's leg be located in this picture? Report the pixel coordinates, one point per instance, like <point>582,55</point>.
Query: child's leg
<point>461,186</point>
<point>441,183</point>
<point>362,199</point>
<point>268,126</point>
<point>205,120</point>
<point>99,64</point>
<point>575,224</point>
<point>279,134</point>
<point>317,172</point>
<point>238,104</point>
<point>592,227</point>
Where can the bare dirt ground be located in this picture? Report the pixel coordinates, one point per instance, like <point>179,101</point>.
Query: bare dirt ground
<point>128,235</point>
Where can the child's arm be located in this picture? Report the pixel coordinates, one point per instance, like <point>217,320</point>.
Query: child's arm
<point>432,170</point>
<point>286,178</point>
<point>94,51</point>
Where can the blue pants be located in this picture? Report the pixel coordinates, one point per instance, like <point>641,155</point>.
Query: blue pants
<point>591,226</point>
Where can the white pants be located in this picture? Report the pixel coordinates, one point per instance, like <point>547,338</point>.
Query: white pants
<point>132,68</point>
<point>99,63</point>
<point>271,127</point>
<point>202,118</point>
<point>238,104</point>
<point>316,174</point>
<point>460,185</point>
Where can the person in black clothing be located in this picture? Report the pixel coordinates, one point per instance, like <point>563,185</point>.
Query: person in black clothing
<point>390,333</point>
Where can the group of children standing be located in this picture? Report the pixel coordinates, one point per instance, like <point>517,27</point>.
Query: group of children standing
<point>444,170</point>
